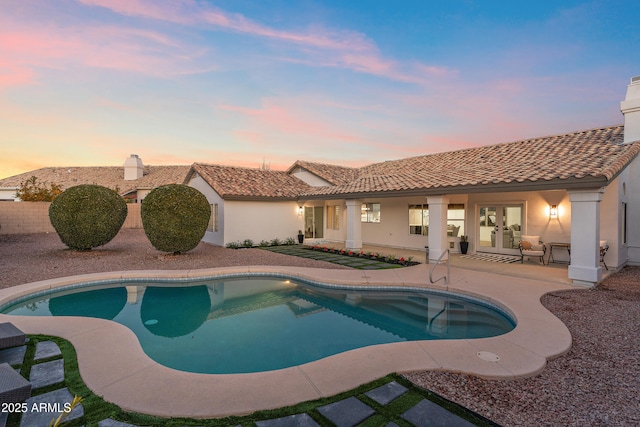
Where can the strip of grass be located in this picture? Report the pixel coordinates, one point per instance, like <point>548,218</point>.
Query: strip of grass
<point>97,409</point>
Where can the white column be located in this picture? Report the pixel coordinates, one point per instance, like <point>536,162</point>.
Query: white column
<point>438,242</point>
<point>354,224</point>
<point>585,237</point>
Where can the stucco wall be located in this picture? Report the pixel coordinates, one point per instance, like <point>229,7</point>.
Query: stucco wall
<point>212,237</point>
<point>33,217</point>
<point>263,220</point>
<point>633,212</point>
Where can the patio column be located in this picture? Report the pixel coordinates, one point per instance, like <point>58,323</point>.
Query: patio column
<point>354,224</point>
<point>438,242</point>
<point>585,237</point>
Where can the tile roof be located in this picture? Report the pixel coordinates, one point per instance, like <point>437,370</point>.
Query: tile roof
<point>582,159</point>
<point>108,176</point>
<point>334,174</point>
<point>232,182</point>
<point>585,159</point>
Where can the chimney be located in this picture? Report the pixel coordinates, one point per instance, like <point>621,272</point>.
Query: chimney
<point>630,107</point>
<point>133,168</point>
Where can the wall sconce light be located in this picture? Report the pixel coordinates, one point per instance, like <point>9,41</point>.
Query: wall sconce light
<point>300,210</point>
<point>553,211</point>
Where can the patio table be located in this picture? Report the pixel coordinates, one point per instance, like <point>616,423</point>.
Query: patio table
<point>562,245</point>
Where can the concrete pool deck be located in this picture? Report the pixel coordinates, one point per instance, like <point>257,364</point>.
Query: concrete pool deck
<point>113,365</point>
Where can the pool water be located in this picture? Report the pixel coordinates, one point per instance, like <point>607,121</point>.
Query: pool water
<point>243,325</point>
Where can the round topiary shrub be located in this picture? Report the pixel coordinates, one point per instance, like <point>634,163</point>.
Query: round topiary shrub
<point>175,217</point>
<point>87,216</point>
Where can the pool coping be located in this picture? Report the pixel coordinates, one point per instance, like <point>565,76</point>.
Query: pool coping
<point>113,365</point>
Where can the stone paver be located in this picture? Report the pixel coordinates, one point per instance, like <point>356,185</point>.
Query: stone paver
<point>48,402</point>
<point>387,393</point>
<point>428,414</point>
<point>355,262</point>
<point>298,420</point>
<point>347,413</point>
<point>46,349</point>
<point>13,356</point>
<point>47,373</point>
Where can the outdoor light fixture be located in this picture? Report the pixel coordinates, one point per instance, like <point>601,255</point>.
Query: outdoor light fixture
<point>300,210</point>
<point>553,211</point>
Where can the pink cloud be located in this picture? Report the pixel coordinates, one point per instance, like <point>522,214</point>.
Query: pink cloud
<point>14,75</point>
<point>291,121</point>
<point>333,48</point>
<point>188,12</point>
<point>133,50</point>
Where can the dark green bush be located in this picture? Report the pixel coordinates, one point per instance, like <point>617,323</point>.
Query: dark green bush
<point>87,216</point>
<point>175,217</point>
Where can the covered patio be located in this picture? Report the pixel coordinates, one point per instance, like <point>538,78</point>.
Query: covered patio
<point>530,269</point>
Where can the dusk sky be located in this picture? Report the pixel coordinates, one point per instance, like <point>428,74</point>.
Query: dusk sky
<point>89,82</point>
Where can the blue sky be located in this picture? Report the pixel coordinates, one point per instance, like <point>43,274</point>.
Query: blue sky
<point>89,82</point>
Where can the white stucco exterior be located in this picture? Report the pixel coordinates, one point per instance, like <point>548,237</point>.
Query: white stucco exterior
<point>262,220</point>
<point>211,237</point>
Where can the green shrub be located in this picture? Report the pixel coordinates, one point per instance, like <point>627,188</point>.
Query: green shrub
<point>248,243</point>
<point>233,245</point>
<point>275,242</point>
<point>290,241</point>
<point>87,216</point>
<point>263,243</point>
<point>175,217</point>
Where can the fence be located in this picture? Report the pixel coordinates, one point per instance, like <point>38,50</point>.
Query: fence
<point>33,217</point>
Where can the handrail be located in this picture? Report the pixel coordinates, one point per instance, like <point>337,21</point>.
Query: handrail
<point>447,277</point>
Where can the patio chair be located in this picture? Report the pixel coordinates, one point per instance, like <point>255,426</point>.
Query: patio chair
<point>14,388</point>
<point>604,247</point>
<point>10,336</point>
<point>532,246</point>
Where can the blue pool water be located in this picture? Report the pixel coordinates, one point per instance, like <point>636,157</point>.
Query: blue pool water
<point>255,324</point>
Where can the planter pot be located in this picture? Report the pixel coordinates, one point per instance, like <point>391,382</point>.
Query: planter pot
<point>464,247</point>
<point>300,238</point>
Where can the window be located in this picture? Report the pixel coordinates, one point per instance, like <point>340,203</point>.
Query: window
<point>455,220</point>
<point>333,217</point>
<point>624,222</point>
<point>371,212</point>
<point>213,219</point>
<point>419,219</point>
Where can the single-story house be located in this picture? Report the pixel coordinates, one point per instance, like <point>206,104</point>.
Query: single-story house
<point>572,191</point>
<point>132,181</point>
<point>576,189</point>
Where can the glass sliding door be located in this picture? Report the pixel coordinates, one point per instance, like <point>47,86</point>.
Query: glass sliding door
<point>499,228</point>
<point>313,222</point>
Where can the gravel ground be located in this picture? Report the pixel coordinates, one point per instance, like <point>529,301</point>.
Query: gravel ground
<point>31,257</point>
<point>596,384</point>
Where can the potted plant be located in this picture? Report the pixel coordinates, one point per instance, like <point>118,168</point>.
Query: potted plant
<point>464,244</point>
<point>300,236</point>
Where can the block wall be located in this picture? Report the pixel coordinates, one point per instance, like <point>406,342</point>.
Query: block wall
<point>33,217</point>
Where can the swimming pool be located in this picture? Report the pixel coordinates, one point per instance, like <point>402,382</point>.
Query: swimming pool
<point>255,324</point>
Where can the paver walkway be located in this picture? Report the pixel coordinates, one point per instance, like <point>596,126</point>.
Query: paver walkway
<point>373,407</point>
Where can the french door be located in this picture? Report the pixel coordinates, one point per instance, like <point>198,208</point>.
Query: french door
<point>499,228</point>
